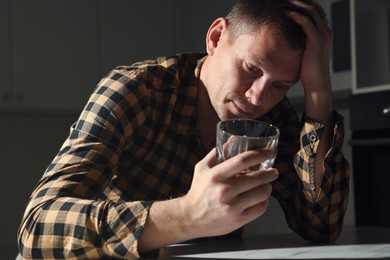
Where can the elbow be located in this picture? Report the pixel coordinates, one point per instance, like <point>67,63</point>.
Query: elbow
<point>30,235</point>
<point>27,240</point>
<point>318,233</point>
<point>323,236</point>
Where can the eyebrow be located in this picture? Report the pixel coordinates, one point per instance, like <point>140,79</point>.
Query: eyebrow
<point>258,62</point>
<point>289,81</point>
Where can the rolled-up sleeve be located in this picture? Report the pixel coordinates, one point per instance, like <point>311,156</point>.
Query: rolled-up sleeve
<point>315,217</point>
<point>321,215</point>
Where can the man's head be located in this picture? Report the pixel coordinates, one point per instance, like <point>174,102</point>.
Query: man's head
<point>254,58</point>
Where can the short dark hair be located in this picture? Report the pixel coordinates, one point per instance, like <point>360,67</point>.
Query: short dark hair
<point>247,16</point>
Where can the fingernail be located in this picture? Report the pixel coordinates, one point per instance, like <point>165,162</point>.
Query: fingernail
<point>275,172</point>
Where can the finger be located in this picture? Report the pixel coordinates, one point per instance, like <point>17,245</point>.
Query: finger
<point>252,212</point>
<point>209,160</point>
<point>256,180</point>
<point>310,16</point>
<point>313,10</point>
<point>306,23</point>
<point>315,37</point>
<point>255,211</point>
<point>254,196</point>
<point>237,164</point>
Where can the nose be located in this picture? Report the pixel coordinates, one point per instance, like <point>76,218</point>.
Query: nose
<point>258,92</point>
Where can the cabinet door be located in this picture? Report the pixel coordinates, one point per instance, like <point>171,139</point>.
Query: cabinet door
<point>371,39</point>
<point>5,49</point>
<point>134,30</point>
<point>193,21</point>
<point>55,52</point>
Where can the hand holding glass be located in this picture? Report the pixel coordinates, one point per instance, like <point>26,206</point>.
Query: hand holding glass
<point>235,136</point>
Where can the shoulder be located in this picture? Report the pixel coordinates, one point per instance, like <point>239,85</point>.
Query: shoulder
<point>144,86</point>
<point>159,73</point>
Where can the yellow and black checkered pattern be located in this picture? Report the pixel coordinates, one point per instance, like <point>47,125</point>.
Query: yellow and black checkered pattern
<point>136,141</point>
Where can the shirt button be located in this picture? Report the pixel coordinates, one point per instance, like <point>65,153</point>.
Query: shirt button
<point>313,137</point>
<point>312,186</point>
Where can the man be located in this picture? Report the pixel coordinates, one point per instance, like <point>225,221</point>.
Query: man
<point>138,170</point>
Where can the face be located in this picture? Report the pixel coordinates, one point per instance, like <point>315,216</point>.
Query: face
<point>249,76</point>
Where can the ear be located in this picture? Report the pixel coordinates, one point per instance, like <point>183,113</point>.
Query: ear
<point>214,34</point>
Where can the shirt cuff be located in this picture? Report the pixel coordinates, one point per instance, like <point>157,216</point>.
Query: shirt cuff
<point>125,224</point>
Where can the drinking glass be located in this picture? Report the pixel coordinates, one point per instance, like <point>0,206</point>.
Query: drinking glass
<point>235,136</point>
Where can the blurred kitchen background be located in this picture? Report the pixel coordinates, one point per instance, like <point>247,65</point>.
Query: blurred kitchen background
<point>53,53</point>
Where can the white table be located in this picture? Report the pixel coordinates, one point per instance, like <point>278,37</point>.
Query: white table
<point>354,243</point>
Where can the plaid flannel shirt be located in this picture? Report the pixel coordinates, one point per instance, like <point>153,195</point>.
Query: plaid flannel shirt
<point>136,141</point>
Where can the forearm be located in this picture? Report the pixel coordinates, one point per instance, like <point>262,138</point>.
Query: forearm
<point>71,227</point>
<point>166,224</point>
<point>324,210</point>
<point>319,108</point>
<point>320,221</point>
<point>317,206</point>
<point>315,76</point>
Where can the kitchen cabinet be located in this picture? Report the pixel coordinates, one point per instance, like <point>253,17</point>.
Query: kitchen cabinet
<point>62,48</point>
<point>5,50</point>
<point>361,44</point>
<point>54,53</point>
<point>370,45</point>
<point>134,30</point>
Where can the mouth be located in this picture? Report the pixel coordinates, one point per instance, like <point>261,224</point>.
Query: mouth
<point>242,110</point>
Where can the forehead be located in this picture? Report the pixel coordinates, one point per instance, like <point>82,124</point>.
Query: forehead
<point>267,48</point>
<point>267,43</point>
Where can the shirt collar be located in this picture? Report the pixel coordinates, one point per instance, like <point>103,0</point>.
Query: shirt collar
<point>184,119</point>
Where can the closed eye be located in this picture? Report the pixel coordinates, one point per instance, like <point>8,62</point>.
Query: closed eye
<point>281,86</point>
<point>251,69</point>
